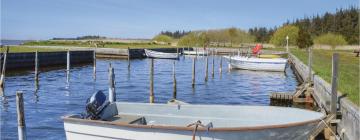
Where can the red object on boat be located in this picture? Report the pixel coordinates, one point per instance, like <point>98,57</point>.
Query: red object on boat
<point>257,49</point>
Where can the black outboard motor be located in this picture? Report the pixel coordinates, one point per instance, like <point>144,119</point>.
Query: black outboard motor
<point>95,104</point>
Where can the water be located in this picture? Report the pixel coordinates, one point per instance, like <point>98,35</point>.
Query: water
<point>44,108</point>
<point>12,42</point>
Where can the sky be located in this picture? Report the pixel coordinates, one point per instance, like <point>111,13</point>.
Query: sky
<point>45,19</point>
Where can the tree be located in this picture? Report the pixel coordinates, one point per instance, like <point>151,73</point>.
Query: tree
<point>163,38</point>
<point>279,36</point>
<point>304,38</point>
<point>330,39</point>
<point>232,33</point>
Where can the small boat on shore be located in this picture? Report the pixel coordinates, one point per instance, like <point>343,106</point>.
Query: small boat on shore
<point>123,120</point>
<point>161,55</point>
<point>260,64</point>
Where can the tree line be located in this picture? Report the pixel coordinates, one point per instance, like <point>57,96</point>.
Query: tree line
<point>344,22</point>
<point>176,34</point>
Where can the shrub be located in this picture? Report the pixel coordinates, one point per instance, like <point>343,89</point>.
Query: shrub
<point>330,39</point>
<point>279,37</point>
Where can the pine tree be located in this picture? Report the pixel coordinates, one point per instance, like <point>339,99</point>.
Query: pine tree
<point>304,38</point>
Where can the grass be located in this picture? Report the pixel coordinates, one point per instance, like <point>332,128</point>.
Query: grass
<point>20,49</point>
<point>348,76</point>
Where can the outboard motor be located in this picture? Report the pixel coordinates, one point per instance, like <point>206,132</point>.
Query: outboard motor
<point>95,104</point>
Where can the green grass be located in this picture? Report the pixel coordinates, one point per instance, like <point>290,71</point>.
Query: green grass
<point>19,49</point>
<point>348,79</point>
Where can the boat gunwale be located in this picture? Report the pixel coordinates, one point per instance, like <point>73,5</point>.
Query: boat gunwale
<point>184,128</point>
<point>169,55</point>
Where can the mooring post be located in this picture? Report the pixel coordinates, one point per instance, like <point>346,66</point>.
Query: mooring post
<point>206,68</point>
<point>196,52</point>
<point>112,94</point>
<point>177,52</point>
<point>2,77</point>
<point>94,62</point>
<point>309,65</point>
<point>128,57</point>
<point>333,107</point>
<point>68,66</point>
<point>213,65</point>
<point>36,72</point>
<point>152,81</point>
<point>20,115</point>
<point>229,67</point>
<point>193,73</point>
<point>220,66</point>
<point>174,81</point>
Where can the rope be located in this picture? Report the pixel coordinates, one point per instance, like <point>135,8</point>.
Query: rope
<point>197,124</point>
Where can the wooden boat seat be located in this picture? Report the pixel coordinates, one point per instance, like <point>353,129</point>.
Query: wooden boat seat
<point>127,119</point>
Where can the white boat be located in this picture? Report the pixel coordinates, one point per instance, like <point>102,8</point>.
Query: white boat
<point>162,55</point>
<point>145,121</point>
<point>254,63</point>
<point>200,53</point>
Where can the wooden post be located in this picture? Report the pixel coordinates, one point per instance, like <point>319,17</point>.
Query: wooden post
<point>112,94</point>
<point>193,73</point>
<point>128,58</point>
<point>2,77</point>
<point>333,107</point>
<point>152,81</point>
<point>229,63</point>
<point>174,83</point>
<point>177,52</point>
<point>36,72</point>
<point>309,65</point>
<point>220,66</point>
<point>206,68</point>
<point>68,66</point>
<point>196,52</point>
<point>213,65</point>
<point>94,61</point>
<point>20,115</point>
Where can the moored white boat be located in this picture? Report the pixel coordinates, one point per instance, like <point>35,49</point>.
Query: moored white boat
<point>254,63</point>
<point>162,55</point>
<point>122,120</point>
<point>201,53</point>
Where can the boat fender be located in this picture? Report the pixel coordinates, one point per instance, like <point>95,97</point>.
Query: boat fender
<point>95,104</point>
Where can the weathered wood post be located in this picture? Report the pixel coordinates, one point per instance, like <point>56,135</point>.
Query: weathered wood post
<point>112,94</point>
<point>177,52</point>
<point>206,68</point>
<point>2,77</point>
<point>220,65</point>
<point>333,106</point>
<point>94,62</point>
<point>213,65</point>
<point>229,67</point>
<point>68,66</point>
<point>36,72</point>
<point>128,58</point>
<point>152,81</point>
<point>196,52</point>
<point>193,74</point>
<point>20,115</point>
<point>309,65</point>
<point>174,81</point>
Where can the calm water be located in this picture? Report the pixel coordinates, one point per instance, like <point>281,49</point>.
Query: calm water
<point>43,109</point>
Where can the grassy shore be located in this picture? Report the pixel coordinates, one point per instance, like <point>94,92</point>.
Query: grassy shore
<point>348,80</point>
<point>20,49</point>
<point>106,44</point>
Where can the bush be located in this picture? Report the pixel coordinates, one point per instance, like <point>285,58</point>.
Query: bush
<point>163,38</point>
<point>330,39</point>
<point>279,37</point>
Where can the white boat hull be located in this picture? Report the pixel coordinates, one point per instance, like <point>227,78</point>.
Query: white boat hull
<point>161,55</point>
<point>201,53</point>
<point>259,64</point>
<point>90,131</point>
<point>165,122</point>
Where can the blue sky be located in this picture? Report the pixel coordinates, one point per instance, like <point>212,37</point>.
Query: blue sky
<point>45,19</point>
